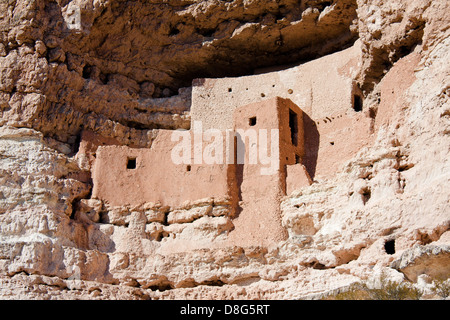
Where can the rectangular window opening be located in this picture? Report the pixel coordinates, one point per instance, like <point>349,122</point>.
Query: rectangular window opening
<point>293,125</point>
<point>252,121</point>
<point>131,163</point>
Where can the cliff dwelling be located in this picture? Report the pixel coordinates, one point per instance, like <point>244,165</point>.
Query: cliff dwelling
<point>272,134</point>
<point>206,149</point>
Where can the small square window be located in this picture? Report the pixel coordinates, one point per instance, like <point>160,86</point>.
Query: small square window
<point>131,163</point>
<point>188,168</point>
<point>252,121</point>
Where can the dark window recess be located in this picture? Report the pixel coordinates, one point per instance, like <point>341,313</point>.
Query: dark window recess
<point>389,246</point>
<point>188,168</point>
<point>293,124</point>
<point>131,163</point>
<point>87,69</point>
<point>357,103</point>
<point>297,159</point>
<point>252,121</point>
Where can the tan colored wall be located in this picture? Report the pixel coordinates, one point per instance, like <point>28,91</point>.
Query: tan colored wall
<point>259,218</point>
<point>289,151</point>
<point>323,89</point>
<point>274,114</point>
<point>255,197</point>
<point>156,178</point>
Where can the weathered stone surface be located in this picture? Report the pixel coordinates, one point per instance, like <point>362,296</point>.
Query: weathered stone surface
<point>431,260</point>
<point>123,70</point>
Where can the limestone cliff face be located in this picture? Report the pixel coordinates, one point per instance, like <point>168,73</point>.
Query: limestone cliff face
<point>123,69</point>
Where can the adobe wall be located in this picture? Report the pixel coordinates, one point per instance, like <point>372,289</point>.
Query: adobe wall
<point>156,178</point>
<point>273,114</point>
<point>252,198</point>
<point>290,153</point>
<point>258,221</point>
<point>323,89</point>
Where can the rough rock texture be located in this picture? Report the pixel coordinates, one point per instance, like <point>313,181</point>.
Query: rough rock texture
<point>97,64</point>
<point>124,68</point>
<point>431,260</point>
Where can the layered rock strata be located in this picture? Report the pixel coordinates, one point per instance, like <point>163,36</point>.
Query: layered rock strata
<point>123,69</point>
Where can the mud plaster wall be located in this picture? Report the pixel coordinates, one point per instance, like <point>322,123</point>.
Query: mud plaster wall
<point>321,88</point>
<point>155,178</point>
<point>124,175</point>
<point>324,89</point>
<point>258,219</point>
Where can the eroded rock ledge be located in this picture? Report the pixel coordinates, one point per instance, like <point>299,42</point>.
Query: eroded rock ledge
<point>107,66</point>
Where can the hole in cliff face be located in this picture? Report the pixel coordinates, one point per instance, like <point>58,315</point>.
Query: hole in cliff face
<point>366,194</point>
<point>357,103</point>
<point>136,125</point>
<point>405,167</point>
<point>87,71</point>
<point>76,144</point>
<point>173,31</point>
<point>212,282</point>
<point>131,163</point>
<point>104,78</point>
<point>389,246</point>
<point>252,121</point>
<point>323,5</point>
<point>424,238</point>
<point>316,265</point>
<point>373,113</point>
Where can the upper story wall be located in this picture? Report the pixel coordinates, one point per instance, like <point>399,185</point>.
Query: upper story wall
<point>280,114</point>
<point>321,88</point>
<point>335,124</point>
